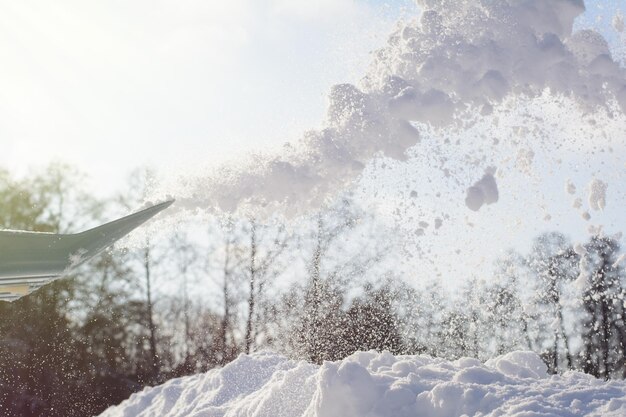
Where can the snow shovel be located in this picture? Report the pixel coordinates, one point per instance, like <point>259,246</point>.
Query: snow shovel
<point>29,260</point>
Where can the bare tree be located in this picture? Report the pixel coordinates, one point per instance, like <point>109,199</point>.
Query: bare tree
<point>554,262</point>
<point>225,347</point>
<point>185,254</point>
<point>140,182</point>
<point>261,263</point>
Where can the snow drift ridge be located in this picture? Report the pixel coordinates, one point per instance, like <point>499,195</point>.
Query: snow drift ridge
<point>370,384</point>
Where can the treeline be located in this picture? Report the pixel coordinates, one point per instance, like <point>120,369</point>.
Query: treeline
<point>215,288</point>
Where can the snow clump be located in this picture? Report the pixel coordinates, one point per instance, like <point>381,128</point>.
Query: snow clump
<point>618,22</point>
<point>597,194</point>
<point>484,191</point>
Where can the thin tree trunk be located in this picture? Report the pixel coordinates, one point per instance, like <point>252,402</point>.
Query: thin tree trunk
<point>606,334</point>
<point>252,297</point>
<point>186,316</point>
<point>529,342</point>
<point>152,328</point>
<point>555,355</point>
<point>622,331</point>
<point>568,353</point>
<point>225,354</point>
<point>314,347</point>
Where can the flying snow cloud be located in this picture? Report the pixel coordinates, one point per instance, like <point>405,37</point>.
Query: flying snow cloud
<point>458,58</point>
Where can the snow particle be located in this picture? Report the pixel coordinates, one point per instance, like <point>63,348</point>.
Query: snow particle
<point>618,22</point>
<point>525,160</point>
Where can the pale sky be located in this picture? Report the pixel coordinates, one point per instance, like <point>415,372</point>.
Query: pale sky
<point>109,86</point>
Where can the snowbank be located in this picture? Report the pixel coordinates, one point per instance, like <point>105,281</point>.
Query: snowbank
<point>370,384</point>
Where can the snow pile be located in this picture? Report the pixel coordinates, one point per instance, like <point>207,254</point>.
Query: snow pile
<point>457,61</point>
<point>370,384</point>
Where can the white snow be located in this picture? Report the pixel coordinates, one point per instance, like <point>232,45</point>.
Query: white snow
<point>570,187</point>
<point>597,194</point>
<point>580,249</point>
<point>618,22</point>
<point>578,203</point>
<point>583,265</point>
<point>525,160</point>
<point>595,230</point>
<point>370,384</point>
<point>456,57</point>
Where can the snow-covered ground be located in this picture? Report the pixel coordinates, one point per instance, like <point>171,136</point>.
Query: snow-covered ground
<point>370,384</point>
